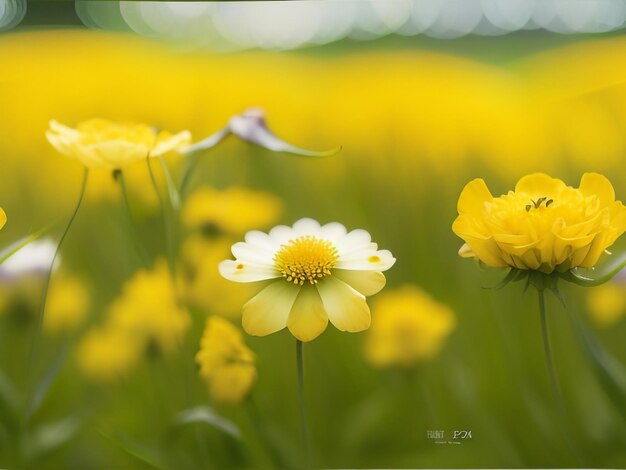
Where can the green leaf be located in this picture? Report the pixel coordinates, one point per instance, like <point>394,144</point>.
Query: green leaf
<point>43,387</point>
<point>9,403</point>
<point>21,243</point>
<point>49,437</point>
<point>204,414</point>
<point>610,373</point>
<point>175,198</point>
<point>140,452</point>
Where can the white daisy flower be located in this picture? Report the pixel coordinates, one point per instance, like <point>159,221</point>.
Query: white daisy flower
<point>317,273</point>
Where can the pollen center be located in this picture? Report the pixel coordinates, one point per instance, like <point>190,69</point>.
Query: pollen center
<point>306,259</point>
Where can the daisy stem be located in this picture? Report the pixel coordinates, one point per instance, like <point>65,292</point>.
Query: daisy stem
<point>303,420</point>
<point>46,284</point>
<point>130,223</point>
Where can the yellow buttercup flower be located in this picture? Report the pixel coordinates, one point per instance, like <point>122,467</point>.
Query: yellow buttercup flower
<point>543,225</point>
<point>67,304</point>
<point>226,363</point>
<point>99,143</point>
<point>147,313</point>
<point>106,354</point>
<point>149,309</point>
<point>234,210</point>
<point>408,326</point>
<point>316,273</point>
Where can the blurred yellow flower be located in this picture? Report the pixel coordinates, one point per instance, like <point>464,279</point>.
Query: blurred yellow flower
<point>3,218</point>
<point>149,309</point>
<point>67,304</point>
<point>204,287</point>
<point>607,303</point>
<point>226,363</point>
<point>408,326</point>
<point>318,273</point>
<point>98,143</point>
<point>147,313</point>
<point>105,354</point>
<point>234,210</point>
<point>543,225</point>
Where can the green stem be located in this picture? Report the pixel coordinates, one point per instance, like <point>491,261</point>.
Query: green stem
<point>192,163</point>
<point>303,421</point>
<point>169,238</point>
<point>554,382</point>
<point>46,285</point>
<point>130,223</point>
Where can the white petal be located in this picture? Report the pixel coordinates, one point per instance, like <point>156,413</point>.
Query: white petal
<point>346,308</point>
<point>358,252</point>
<point>355,240</point>
<point>365,282</point>
<point>281,234</point>
<point>268,311</point>
<point>333,231</point>
<point>307,319</point>
<point>247,253</point>
<point>369,261</point>
<point>306,226</point>
<point>240,271</point>
<point>261,240</point>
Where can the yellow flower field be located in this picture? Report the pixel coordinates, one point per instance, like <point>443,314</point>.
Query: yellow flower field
<point>256,266</point>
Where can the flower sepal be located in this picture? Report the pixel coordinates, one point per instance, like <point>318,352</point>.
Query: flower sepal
<point>535,278</point>
<point>600,276</point>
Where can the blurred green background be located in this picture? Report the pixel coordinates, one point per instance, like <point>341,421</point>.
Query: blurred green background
<point>417,118</point>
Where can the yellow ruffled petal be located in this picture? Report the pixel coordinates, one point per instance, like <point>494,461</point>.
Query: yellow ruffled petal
<point>307,319</point>
<point>539,185</point>
<point>473,197</point>
<point>486,251</point>
<point>594,184</point>
<point>119,153</point>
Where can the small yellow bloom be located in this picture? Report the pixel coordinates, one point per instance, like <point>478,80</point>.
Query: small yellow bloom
<point>226,363</point>
<point>150,310</point>
<point>316,273</point>
<point>98,143</point>
<point>607,303</point>
<point>147,313</point>
<point>67,304</point>
<point>106,354</point>
<point>543,225</point>
<point>408,326</point>
<point>3,218</point>
<point>233,211</point>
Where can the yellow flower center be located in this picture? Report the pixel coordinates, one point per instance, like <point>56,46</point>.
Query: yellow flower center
<point>306,258</point>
